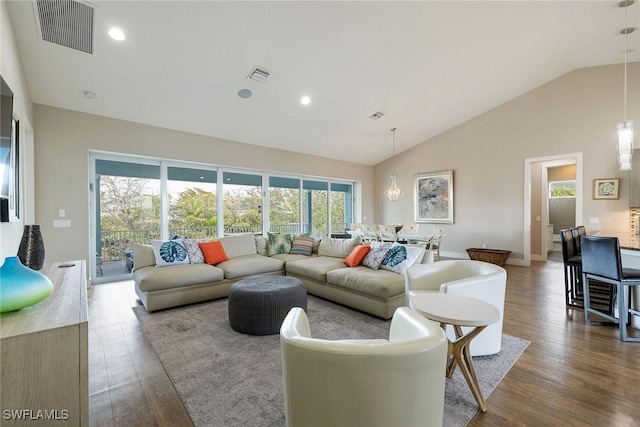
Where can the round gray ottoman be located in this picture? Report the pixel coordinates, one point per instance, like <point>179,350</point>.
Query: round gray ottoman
<point>258,305</point>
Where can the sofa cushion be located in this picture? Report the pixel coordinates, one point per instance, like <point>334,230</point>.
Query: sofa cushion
<point>143,256</point>
<point>291,257</point>
<point>338,248</point>
<point>315,268</point>
<point>153,279</point>
<point>169,252</point>
<point>261,245</point>
<point>239,244</point>
<point>248,265</point>
<point>382,284</point>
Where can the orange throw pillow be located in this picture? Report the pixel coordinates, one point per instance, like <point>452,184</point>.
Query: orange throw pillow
<point>213,252</point>
<point>357,255</point>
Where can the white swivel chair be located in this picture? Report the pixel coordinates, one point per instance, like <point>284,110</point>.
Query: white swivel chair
<point>477,279</point>
<point>394,382</point>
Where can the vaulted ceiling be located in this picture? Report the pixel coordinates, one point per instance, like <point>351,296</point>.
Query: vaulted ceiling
<point>427,65</point>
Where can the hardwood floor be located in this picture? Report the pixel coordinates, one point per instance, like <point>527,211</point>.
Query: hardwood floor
<point>572,374</point>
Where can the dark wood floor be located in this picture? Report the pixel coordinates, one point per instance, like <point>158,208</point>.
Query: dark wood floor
<point>571,374</point>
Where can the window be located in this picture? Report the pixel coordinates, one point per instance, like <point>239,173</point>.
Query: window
<point>242,198</point>
<point>315,210</point>
<point>341,207</point>
<point>562,189</point>
<point>192,202</point>
<point>138,199</point>
<point>284,205</point>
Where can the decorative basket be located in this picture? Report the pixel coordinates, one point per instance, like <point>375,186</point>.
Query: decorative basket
<point>494,256</point>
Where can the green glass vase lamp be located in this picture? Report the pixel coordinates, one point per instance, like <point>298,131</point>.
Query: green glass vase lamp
<point>21,286</point>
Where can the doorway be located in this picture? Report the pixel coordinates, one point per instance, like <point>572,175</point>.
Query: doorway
<point>536,202</point>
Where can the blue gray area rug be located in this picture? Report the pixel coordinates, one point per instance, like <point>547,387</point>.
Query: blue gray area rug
<point>226,378</point>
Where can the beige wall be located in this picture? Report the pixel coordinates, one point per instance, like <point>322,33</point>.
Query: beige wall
<point>576,113</point>
<point>12,72</point>
<point>63,141</point>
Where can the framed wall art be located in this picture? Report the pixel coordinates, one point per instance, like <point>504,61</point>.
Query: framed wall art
<point>607,188</point>
<point>433,197</point>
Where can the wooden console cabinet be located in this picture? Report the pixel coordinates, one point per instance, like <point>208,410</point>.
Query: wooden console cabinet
<point>44,355</point>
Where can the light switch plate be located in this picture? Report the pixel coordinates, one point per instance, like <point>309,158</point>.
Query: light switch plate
<point>61,223</point>
<point>593,220</point>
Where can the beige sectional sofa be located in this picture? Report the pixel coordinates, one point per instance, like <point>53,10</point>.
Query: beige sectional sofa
<point>324,274</point>
<point>164,287</point>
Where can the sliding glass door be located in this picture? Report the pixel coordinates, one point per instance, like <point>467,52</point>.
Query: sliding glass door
<point>127,210</point>
<point>192,202</point>
<point>136,200</point>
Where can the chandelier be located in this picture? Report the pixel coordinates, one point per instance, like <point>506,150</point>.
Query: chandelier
<point>625,127</point>
<point>393,193</point>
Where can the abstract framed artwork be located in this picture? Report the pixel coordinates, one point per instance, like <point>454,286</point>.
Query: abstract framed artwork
<point>433,197</point>
<point>606,188</point>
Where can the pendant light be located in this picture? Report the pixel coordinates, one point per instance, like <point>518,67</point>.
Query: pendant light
<point>625,127</point>
<point>393,193</point>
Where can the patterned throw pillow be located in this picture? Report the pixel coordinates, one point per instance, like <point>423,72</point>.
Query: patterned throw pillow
<point>193,250</point>
<point>302,245</point>
<point>169,252</point>
<point>377,254</point>
<point>401,257</point>
<point>278,243</point>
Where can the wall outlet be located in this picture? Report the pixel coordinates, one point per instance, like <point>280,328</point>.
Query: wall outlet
<point>484,246</point>
<point>593,220</point>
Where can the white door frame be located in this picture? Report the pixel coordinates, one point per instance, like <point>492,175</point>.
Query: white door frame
<point>557,160</point>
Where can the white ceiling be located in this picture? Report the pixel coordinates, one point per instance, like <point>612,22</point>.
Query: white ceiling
<point>427,65</point>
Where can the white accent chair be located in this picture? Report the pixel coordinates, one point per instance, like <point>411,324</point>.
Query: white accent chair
<point>477,279</point>
<point>394,382</point>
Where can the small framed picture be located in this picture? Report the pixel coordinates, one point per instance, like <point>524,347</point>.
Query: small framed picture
<point>608,188</point>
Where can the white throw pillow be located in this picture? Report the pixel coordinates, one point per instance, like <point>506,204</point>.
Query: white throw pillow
<point>193,250</point>
<point>400,257</point>
<point>169,252</point>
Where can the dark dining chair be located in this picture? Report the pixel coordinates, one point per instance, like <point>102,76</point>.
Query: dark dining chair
<point>602,261</point>
<point>572,269</point>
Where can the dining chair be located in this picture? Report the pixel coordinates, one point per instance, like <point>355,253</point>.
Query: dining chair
<point>387,233</point>
<point>370,232</point>
<point>602,261</point>
<point>572,270</point>
<point>436,243</point>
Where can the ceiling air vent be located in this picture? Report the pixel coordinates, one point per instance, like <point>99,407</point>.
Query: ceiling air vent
<point>259,74</point>
<point>376,116</point>
<point>66,23</point>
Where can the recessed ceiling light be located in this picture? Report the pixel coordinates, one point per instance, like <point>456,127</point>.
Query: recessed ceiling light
<point>116,34</point>
<point>305,100</point>
<point>244,93</point>
<point>89,94</point>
